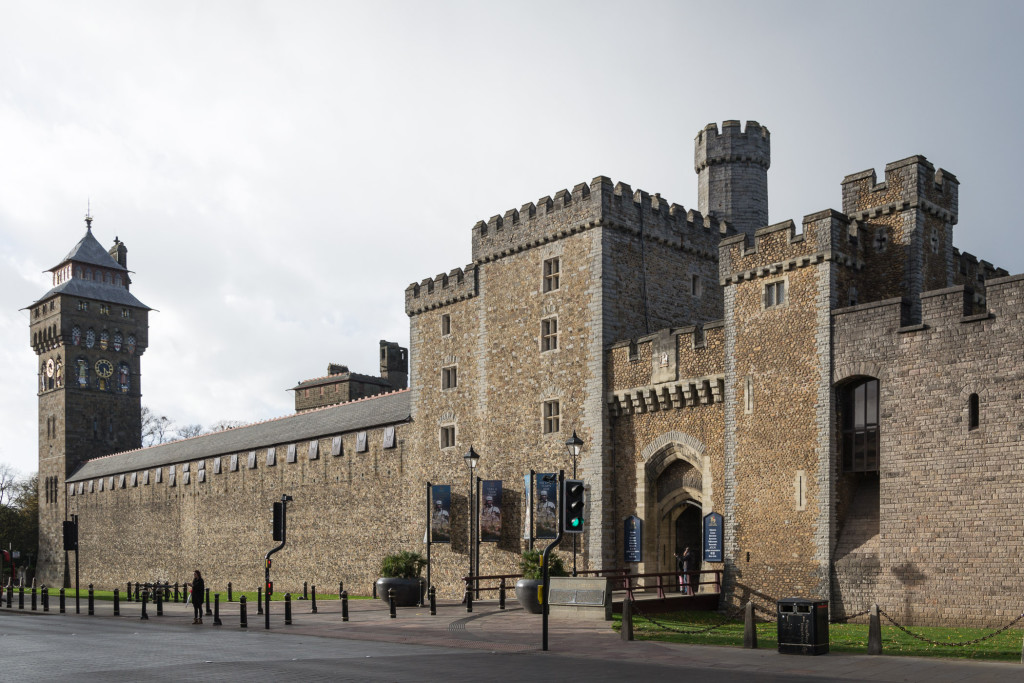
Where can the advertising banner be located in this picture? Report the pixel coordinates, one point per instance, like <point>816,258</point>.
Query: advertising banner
<point>441,514</point>
<point>490,511</point>
<point>547,502</point>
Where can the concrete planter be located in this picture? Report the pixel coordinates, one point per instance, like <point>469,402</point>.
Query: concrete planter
<point>526,594</point>
<point>407,591</point>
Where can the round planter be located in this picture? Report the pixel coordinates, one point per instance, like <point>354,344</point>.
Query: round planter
<point>407,591</point>
<point>526,594</point>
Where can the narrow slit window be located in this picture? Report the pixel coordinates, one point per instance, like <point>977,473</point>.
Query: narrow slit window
<point>446,325</point>
<point>450,377</point>
<point>973,412</point>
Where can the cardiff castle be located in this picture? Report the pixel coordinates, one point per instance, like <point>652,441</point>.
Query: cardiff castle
<point>844,392</point>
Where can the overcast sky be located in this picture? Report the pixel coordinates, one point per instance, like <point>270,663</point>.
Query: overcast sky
<point>281,171</point>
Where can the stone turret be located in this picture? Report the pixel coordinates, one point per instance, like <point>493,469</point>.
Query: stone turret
<point>732,170</point>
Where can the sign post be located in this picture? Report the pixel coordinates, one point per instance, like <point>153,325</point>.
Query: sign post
<point>280,534</point>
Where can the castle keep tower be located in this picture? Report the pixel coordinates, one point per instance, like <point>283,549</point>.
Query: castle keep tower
<point>89,332</point>
<point>732,170</point>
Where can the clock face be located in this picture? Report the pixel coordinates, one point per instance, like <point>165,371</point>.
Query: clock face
<point>49,368</point>
<point>90,338</point>
<point>104,368</point>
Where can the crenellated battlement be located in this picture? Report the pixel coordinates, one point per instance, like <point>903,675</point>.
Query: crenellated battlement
<point>732,144</point>
<point>972,270</point>
<point>911,183</point>
<point>778,248</point>
<point>442,290</point>
<point>601,203</point>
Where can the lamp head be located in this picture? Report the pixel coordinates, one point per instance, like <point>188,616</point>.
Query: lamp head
<point>574,444</point>
<point>471,457</point>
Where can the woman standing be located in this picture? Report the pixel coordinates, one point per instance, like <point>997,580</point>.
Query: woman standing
<point>198,590</point>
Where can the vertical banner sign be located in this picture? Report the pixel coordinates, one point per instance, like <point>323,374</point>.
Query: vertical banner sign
<point>634,537</point>
<point>490,513</point>
<point>528,506</point>
<point>547,510</point>
<point>441,514</point>
<point>713,537</point>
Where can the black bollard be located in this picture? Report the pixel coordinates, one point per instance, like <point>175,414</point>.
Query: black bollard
<point>33,598</point>
<point>10,594</point>
<point>341,588</point>
<point>287,609</point>
<point>314,599</point>
<point>344,606</point>
<point>391,602</point>
<point>175,591</point>
<point>469,598</point>
<point>128,593</point>
<point>229,592</point>
<point>266,609</point>
<point>145,598</point>
<point>45,597</point>
<point>62,604</point>
<point>158,598</point>
<point>136,591</point>
<point>433,600</point>
<point>216,609</point>
<point>208,611</point>
<point>92,602</point>
<point>117,602</point>
<point>259,600</point>
<point>374,596</point>
<point>305,590</point>
<point>167,591</point>
<point>501,594</point>
<point>243,616</point>
<point>21,597</point>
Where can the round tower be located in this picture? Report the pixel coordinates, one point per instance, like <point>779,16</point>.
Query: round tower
<point>732,171</point>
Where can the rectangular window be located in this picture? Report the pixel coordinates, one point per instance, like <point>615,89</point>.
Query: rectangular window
<point>549,334</point>
<point>695,284</point>
<point>125,313</point>
<point>446,325</point>
<point>448,436</point>
<point>551,270</point>
<point>361,446</point>
<point>551,417</point>
<point>336,446</point>
<point>389,437</point>
<point>775,294</point>
<point>449,377</point>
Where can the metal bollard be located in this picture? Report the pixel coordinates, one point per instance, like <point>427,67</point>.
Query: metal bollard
<point>469,598</point>
<point>46,599</point>
<point>21,597</point>
<point>627,620</point>
<point>175,591</point>
<point>243,616</point>
<point>314,599</point>
<point>374,595</point>
<point>158,598</point>
<point>10,594</point>
<point>344,606</point>
<point>305,590</point>
<point>229,592</point>
<point>287,609</point>
<point>341,588</point>
<point>259,600</point>
<point>63,606</point>
<point>117,602</point>
<point>136,591</point>
<point>92,602</point>
<point>266,616</point>
<point>501,594</point>
<point>167,591</point>
<point>433,600</point>
<point>145,599</point>
<point>33,598</point>
<point>128,593</point>
<point>391,602</point>
<point>208,611</point>
<point>216,610</point>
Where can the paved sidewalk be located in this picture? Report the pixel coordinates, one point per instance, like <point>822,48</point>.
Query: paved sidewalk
<point>488,629</point>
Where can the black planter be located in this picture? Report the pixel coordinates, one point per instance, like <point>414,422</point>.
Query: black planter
<point>407,591</point>
<point>526,594</point>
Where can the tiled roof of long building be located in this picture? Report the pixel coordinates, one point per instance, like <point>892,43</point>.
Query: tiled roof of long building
<point>365,413</point>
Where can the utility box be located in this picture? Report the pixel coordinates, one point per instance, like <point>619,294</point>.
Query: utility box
<point>803,626</point>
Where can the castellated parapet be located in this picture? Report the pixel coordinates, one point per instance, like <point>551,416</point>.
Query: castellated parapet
<point>732,173</point>
<point>909,183</point>
<point>601,203</point>
<point>443,290</point>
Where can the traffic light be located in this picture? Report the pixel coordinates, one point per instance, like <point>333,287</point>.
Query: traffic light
<point>270,588</point>
<point>572,510</point>
<point>278,521</point>
<point>70,536</point>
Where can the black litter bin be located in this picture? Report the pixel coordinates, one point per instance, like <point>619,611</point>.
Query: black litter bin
<point>803,626</point>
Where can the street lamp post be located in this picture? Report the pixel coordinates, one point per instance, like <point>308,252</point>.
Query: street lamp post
<point>573,446</point>
<point>471,457</point>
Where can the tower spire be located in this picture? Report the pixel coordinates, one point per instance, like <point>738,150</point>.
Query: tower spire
<point>88,214</point>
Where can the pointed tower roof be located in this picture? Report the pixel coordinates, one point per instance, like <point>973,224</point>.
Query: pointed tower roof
<point>90,251</point>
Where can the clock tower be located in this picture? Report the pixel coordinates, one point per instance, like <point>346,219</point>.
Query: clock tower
<point>89,332</point>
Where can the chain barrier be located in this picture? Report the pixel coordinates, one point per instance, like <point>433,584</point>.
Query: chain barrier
<point>728,619</point>
<point>839,620</point>
<point>941,644</point>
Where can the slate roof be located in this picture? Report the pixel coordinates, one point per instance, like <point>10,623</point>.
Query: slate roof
<point>91,289</point>
<point>376,411</point>
<point>89,250</point>
<point>340,377</point>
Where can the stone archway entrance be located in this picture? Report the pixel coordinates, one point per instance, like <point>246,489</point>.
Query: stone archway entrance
<point>672,486</point>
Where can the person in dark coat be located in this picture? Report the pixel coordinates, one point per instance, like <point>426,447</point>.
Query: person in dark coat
<point>198,590</point>
<point>687,564</point>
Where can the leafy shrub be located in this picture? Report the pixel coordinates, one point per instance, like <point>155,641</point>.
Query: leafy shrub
<point>402,565</point>
<point>530,565</point>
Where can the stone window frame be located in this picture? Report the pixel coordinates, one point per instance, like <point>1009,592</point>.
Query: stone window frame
<point>447,436</point>
<point>973,412</point>
<point>313,450</point>
<point>549,334</point>
<point>551,274</point>
<point>696,284</point>
<point>233,466</point>
<point>292,454</point>
<point>389,439</point>
<point>362,443</point>
<point>843,397</point>
<point>217,465</point>
<point>337,446</point>
<point>450,377</point>
<point>748,395</point>
<point>446,324</point>
<point>978,395</point>
<point>800,490</point>
<point>272,456</point>
<point>775,286</point>
<point>551,416</point>
<point>251,462</point>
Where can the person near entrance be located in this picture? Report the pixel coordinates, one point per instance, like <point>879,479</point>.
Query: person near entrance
<point>198,589</point>
<point>686,563</point>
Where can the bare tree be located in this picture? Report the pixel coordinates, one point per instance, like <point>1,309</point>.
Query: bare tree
<point>155,428</point>
<point>221,425</point>
<point>8,484</point>
<point>188,431</point>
